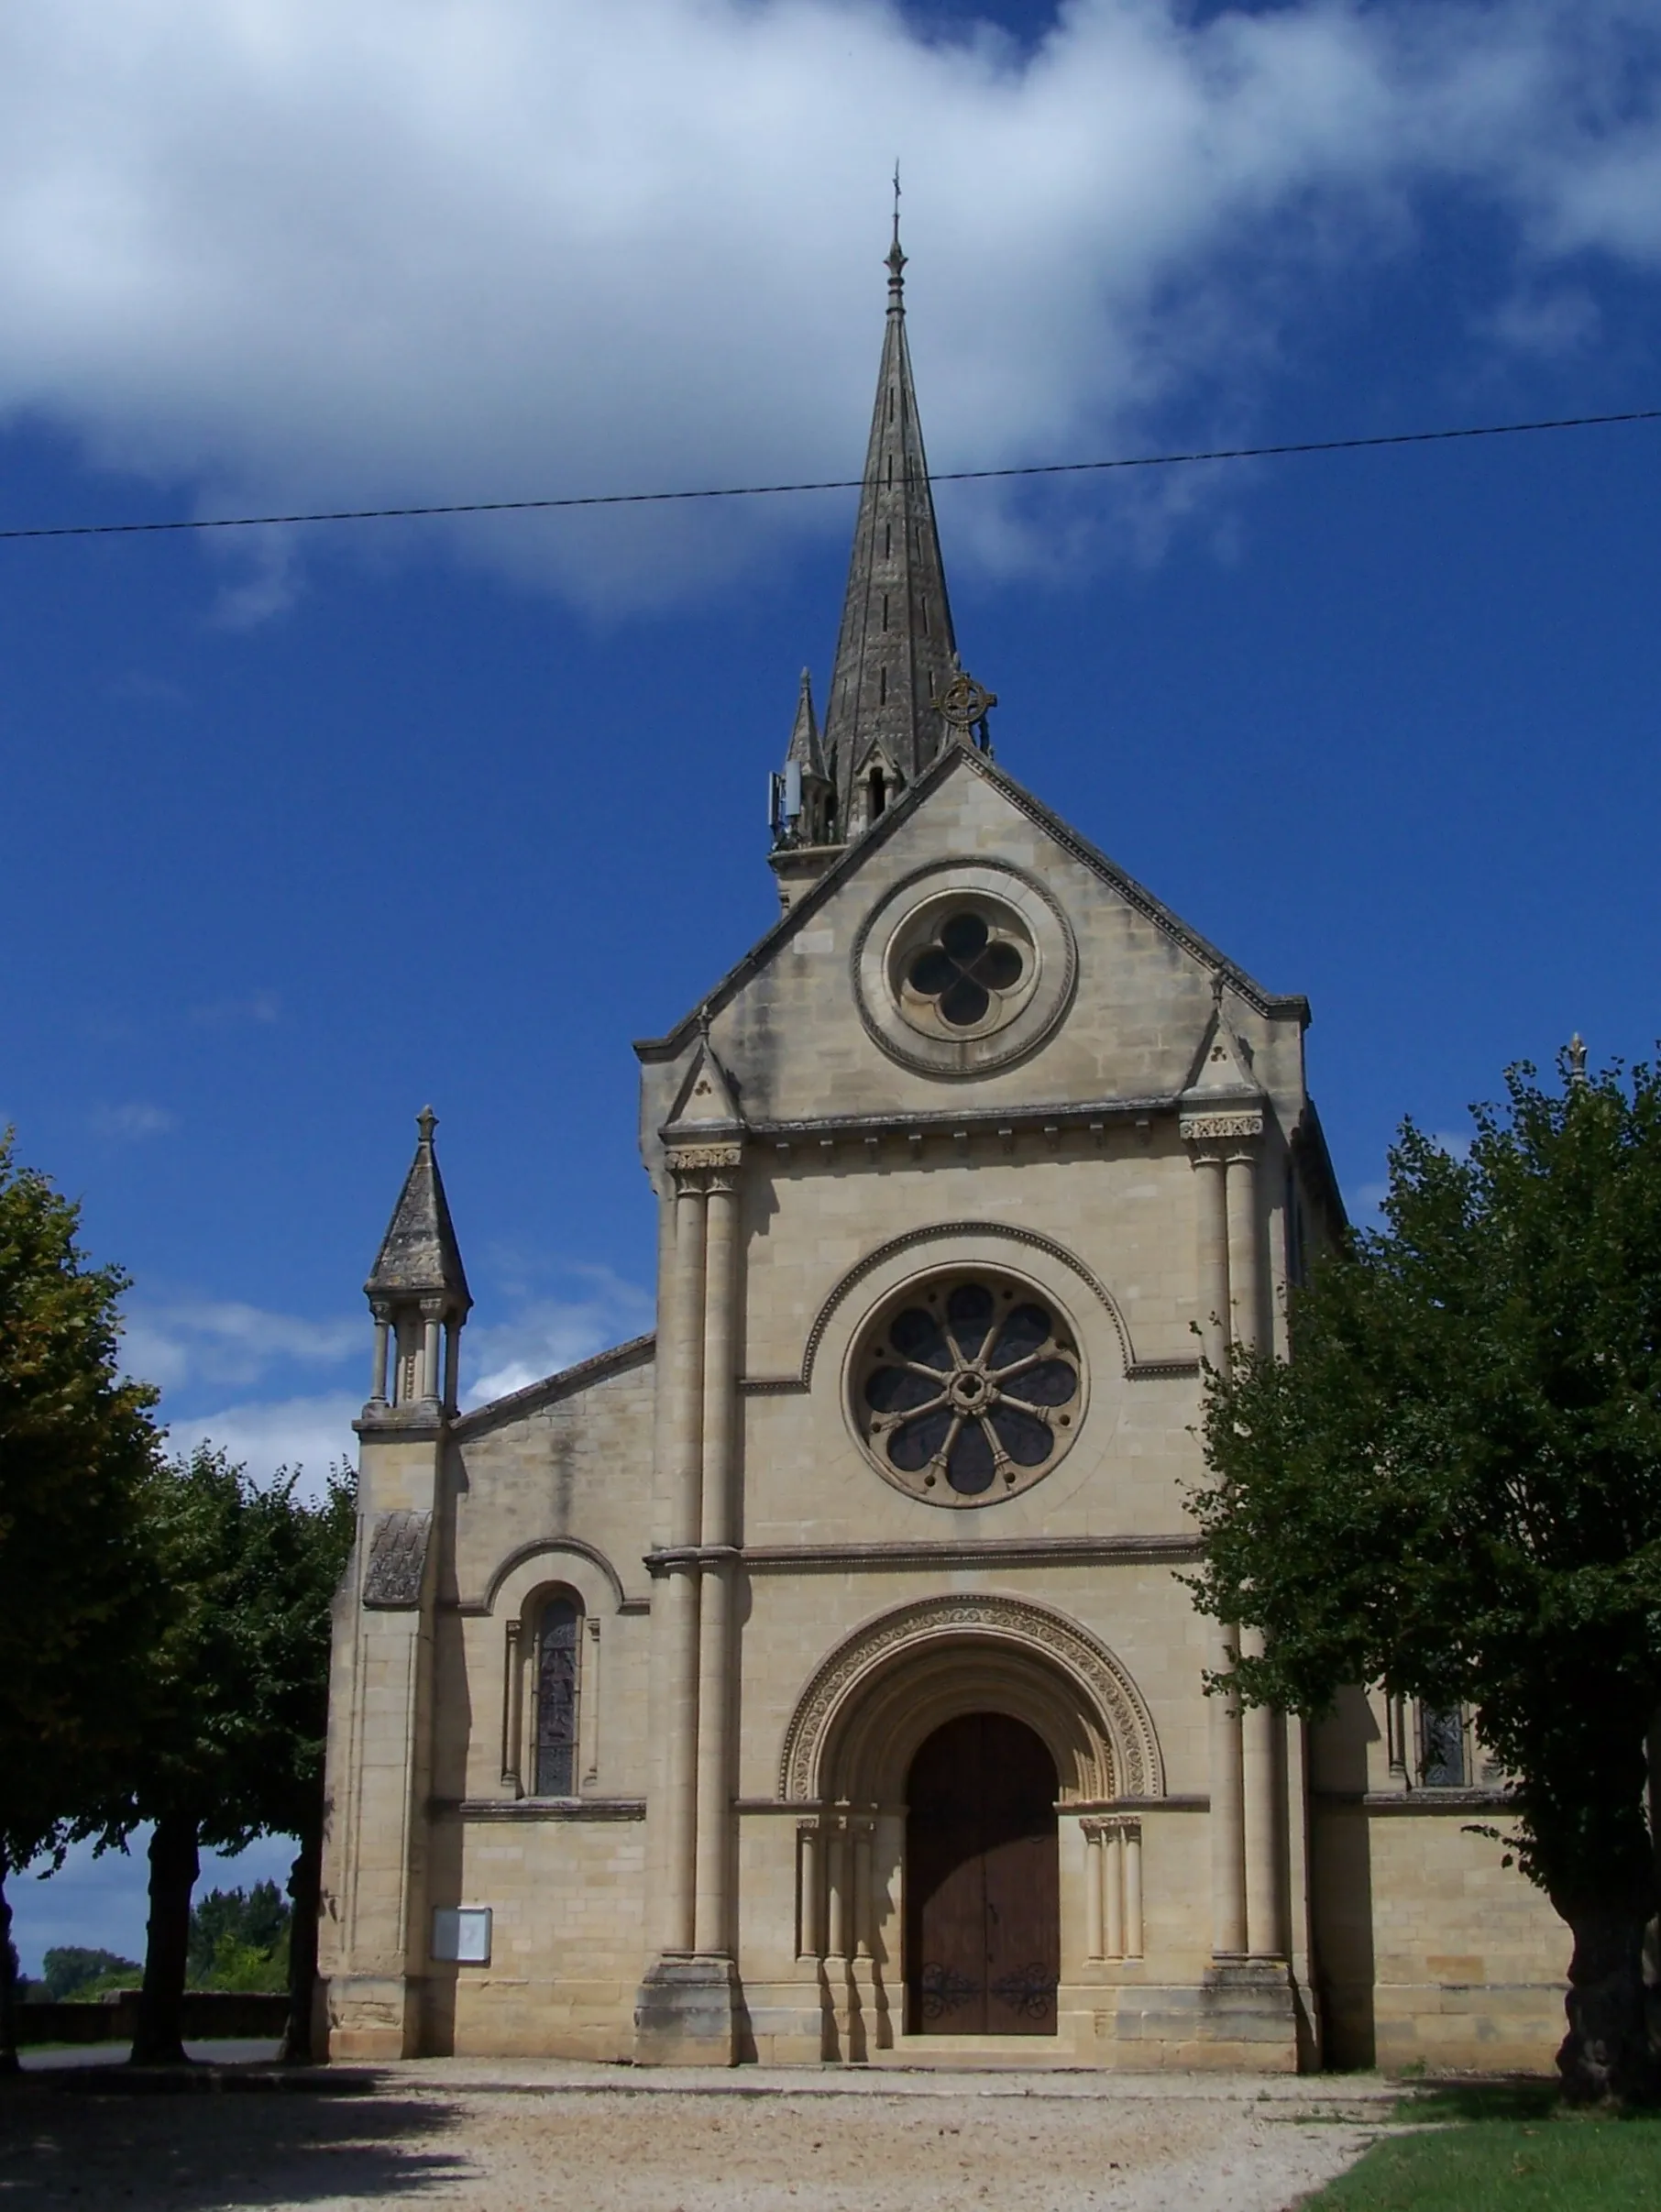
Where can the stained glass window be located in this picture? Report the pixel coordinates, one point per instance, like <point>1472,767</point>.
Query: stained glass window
<point>1442,1747</point>
<point>968,1387</point>
<point>556,1650</point>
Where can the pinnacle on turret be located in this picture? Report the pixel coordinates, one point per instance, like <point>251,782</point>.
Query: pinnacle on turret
<point>418,1255</point>
<point>418,1294</point>
<point>896,654</point>
<point>802,800</point>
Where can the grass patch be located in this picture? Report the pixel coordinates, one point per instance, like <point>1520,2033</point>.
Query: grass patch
<point>1501,2148</point>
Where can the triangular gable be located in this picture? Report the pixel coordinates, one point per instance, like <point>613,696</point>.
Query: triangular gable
<point>1222,1067</point>
<point>707,1101</point>
<point>961,759</point>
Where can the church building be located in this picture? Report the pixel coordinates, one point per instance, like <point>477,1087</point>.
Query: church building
<point>815,1680</point>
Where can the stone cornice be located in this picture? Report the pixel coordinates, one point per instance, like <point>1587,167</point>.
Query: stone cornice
<point>538,1809</point>
<point>1088,1116</point>
<point>1169,1549</point>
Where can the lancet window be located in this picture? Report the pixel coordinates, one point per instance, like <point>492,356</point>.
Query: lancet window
<point>557,1645</point>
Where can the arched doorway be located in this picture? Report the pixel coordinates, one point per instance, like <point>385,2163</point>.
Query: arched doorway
<point>983,1910</point>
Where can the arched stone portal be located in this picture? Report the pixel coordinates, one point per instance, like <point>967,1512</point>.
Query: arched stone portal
<point>854,1752</point>
<point>859,1722</point>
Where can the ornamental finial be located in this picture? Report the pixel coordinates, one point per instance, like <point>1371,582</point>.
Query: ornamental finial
<point>896,259</point>
<point>1576,1060</point>
<point>426,1121</point>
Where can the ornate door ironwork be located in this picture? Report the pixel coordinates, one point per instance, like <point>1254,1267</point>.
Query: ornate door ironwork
<point>983,1908</point>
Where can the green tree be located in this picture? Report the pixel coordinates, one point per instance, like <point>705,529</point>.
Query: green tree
<point>82,1604</point>
<point>233,1743</point>
<point>245,1921</point>
<point>1454,1489</point>
<point>70,1969</point>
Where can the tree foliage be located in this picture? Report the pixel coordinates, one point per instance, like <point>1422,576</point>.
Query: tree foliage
<point>234,1737</point>
<point>82,1603</point>
<point>73,1970</point>
<point>1454,1490</point>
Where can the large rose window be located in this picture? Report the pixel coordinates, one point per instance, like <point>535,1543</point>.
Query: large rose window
<point>967,1389</point>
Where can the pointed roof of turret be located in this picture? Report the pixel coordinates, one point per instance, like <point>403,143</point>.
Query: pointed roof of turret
<point>805,749</point>
<point>896,651</point>
<point>419,1253</point>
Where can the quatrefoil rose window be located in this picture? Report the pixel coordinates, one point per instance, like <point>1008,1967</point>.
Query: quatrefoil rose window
<point>967,1389</point>
<point>964,968</point>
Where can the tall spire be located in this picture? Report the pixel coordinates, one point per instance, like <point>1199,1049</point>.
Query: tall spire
<point>896,652</point>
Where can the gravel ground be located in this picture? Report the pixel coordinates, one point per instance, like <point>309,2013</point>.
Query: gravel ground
<point>507,2139</point>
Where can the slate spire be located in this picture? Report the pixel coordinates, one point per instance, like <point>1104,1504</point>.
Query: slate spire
<point>418,1255</point>
<point>896,652</point>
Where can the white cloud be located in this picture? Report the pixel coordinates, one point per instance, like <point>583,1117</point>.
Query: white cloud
<point>286,253</point>
<point>545,1334</point>
<point>189,1343</point>
<point>309,1433</point>
<point>258,1007</point>
<point>132,1123</point>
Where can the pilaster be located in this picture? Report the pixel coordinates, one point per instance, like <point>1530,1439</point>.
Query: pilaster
<point>689,2006</point>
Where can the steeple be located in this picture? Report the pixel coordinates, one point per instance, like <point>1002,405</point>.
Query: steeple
<point>896,652</point>
<point>416,1285</point>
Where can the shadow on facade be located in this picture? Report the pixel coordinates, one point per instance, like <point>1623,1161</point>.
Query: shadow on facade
<point>1341,1850</point>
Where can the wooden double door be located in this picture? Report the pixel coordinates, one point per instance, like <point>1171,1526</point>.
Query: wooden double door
<point>983,1908</point>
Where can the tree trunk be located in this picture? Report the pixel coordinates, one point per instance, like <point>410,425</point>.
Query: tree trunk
<point>173,1869</point>
<point>305,1888</point>
<point>1606,2056</point>
<point>9,2062</point>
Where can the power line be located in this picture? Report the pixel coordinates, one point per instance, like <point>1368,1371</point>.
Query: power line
<point>758,491</point>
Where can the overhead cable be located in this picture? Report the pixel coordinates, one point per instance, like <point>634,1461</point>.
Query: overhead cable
<point>758,491</point>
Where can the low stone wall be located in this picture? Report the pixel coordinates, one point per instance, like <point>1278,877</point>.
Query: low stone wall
<point>210,2016</point>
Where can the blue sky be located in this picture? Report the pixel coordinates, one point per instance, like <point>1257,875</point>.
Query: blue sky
<point>311,827</point>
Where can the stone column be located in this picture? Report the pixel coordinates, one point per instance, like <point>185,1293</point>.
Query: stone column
<point>1133,1889</point>
<point>1225,1150</point>
<point>679,1594</point>
<point>836,1932</point>
<point>810,1939</point>
<point>687,2010</point>
<point>378,1381</point>
<point>1227,1813</point>
<point>1263,1733</point>
<point>1113,1874</point>
<point>431,1316</point>
<point>1093,1933</point>
<point>512,1710</point>
<point>1212,1251</point>
<point>1244,1269</point>
<point>712,1931</point>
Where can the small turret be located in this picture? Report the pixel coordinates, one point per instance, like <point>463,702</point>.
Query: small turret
<point>801,804</point>
<point>417,1288</point>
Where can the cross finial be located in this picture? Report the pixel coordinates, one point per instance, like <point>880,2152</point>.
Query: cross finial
<point>1576,1059</point>
<point>896,259</point>
<point>426,1121</point>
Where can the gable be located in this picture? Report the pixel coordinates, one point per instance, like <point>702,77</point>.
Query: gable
<point>818,1022</point>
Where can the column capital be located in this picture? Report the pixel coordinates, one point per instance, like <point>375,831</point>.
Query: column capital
<point>1212,1128</point>
<point>704,1166</point>
<point>1100,1826</point>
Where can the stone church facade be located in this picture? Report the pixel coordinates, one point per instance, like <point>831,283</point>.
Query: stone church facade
<point>815,1678</point>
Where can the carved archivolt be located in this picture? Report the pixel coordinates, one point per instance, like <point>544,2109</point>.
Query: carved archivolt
<point>917,1665</point>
